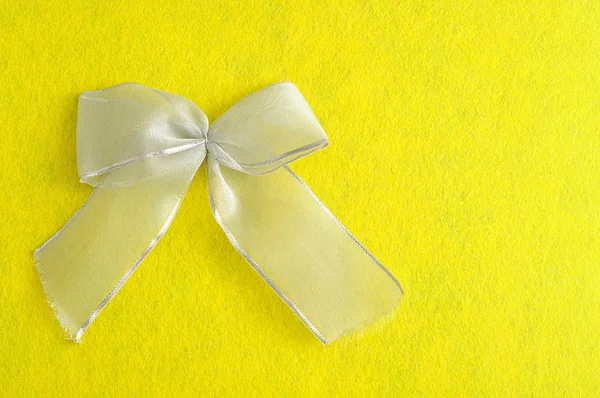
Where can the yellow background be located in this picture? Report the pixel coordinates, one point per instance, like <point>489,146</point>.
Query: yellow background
<point>464,154</point>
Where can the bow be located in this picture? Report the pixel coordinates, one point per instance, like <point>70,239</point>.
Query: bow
<point>140,148</point>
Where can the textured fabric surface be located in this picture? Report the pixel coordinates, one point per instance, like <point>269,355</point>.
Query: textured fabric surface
<point>483,199</point>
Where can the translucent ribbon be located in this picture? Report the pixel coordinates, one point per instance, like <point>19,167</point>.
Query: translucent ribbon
<point>140,148</point>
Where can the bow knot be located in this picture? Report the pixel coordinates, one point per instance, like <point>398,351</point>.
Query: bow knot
<point>140,148</point>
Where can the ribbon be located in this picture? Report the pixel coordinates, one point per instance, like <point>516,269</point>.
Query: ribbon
<point>140,148</point>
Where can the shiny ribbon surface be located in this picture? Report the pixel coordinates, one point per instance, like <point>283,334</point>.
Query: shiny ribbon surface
<point>140,148</point>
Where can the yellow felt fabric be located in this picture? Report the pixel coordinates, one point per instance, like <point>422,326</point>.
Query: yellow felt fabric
<point>464,154</point>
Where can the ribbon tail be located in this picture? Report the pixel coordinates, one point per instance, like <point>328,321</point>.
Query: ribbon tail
<point>89,259</point>
<point>330,281</point>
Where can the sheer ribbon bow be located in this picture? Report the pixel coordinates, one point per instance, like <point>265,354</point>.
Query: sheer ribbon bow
<point>140,148</point>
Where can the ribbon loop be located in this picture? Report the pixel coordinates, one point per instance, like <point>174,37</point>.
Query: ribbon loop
<point>140,148</point>
<point>266,130</point>
<point>129,122</point>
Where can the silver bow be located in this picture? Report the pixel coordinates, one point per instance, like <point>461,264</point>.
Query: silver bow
<point>140,148</point>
